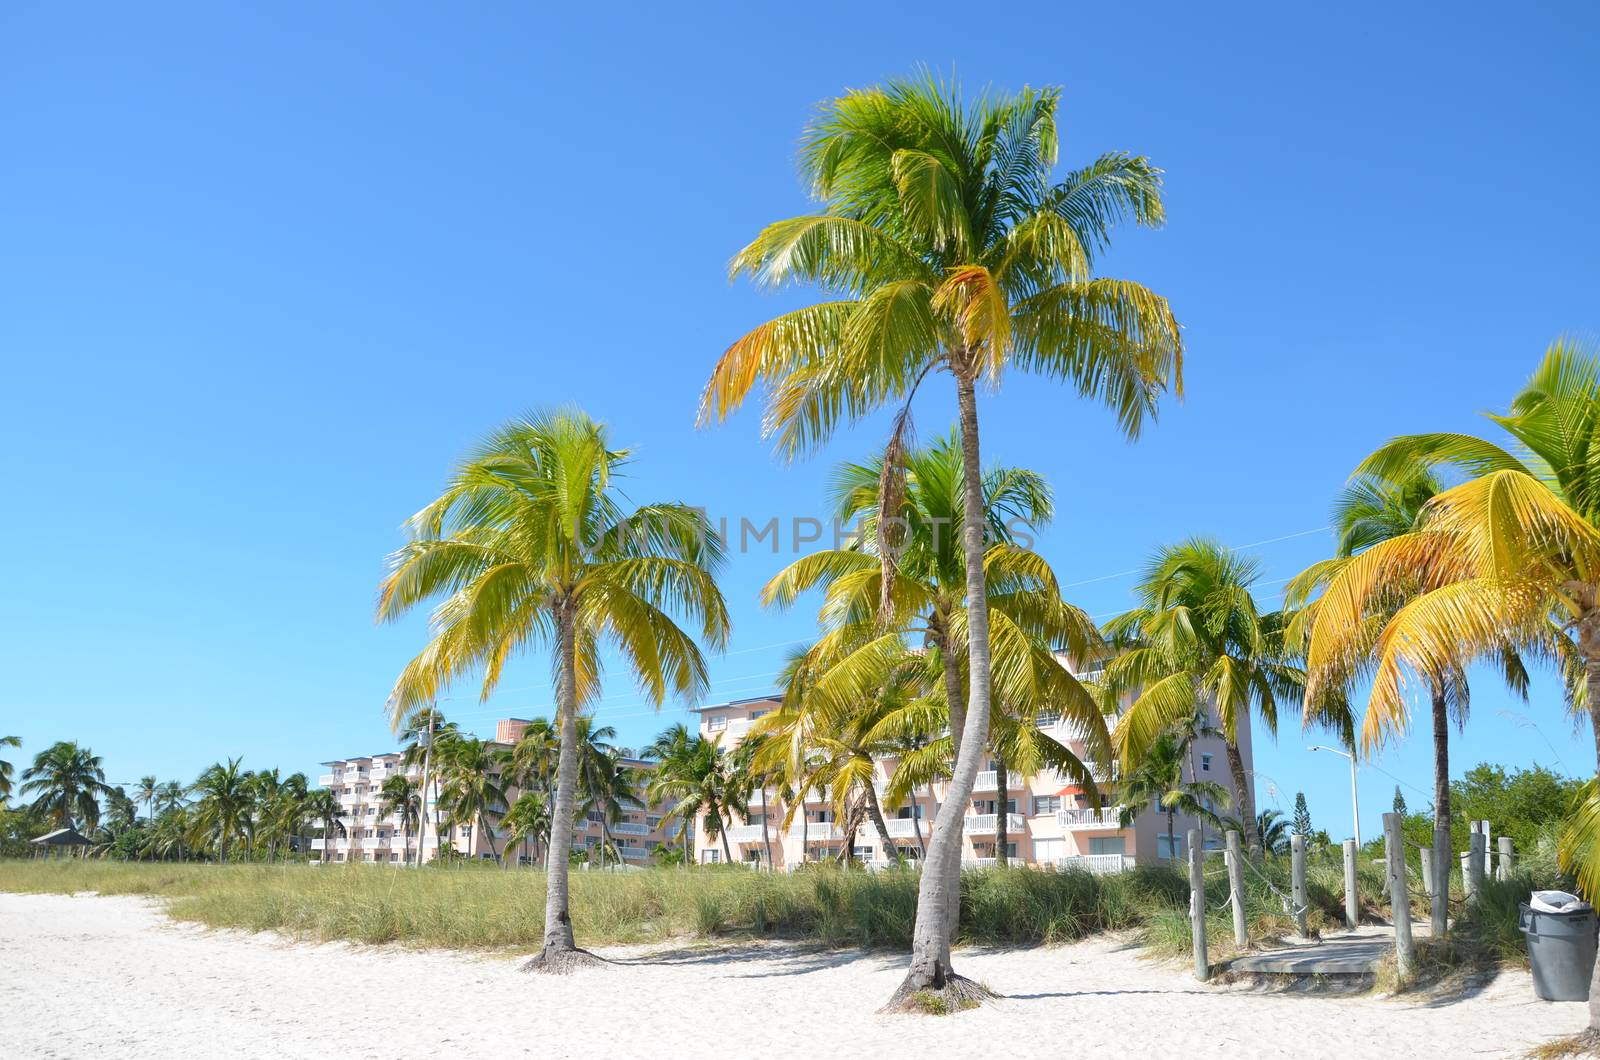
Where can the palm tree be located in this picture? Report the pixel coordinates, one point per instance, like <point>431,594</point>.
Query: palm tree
<point>470,789</point>
<point>68,781</point>
<point>528,818</point>
<point>420,732</point>
<point>6,767</point>
<point>1158,779</point>
<point>865,644</point>
<point>121,810</point>
<point>223,804</point>
<point>401,797</point>
<point>529,546</point>
<point>322,805</point>
<point>701,785</point>
<point>606,784</point>
<point>1198,641</point>
<point>146,793</point>
<point>674,751</point>
<point>951,250</point>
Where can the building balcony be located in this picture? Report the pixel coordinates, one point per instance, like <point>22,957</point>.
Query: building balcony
<point>629,828</point>
<point>1086,820</point>
<point>903,828</point>
<point>373,842</point>
<point>1099,864</point>
<point>985,823</point>
<point>319,844</point>
<point>989,779</point>
<point>748,833</point>
<point>815,831</point>
<point>341,844</point>
<point>328,780</point>
<point>634,853</point>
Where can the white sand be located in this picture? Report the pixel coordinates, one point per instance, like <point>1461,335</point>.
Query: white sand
<point>111,977</point>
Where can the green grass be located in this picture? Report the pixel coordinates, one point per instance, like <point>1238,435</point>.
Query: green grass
<point>479,907</point>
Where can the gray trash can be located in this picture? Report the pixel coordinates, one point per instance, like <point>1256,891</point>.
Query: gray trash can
<point>1561,948</point>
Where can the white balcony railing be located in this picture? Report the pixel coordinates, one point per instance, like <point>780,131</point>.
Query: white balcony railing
<point>984,823</point>
<point>341,844</point>
<point>1076,820</point>
<point>634,853</point>
<point>815,831</point>
<point>372,842</point>
<point>903,827</point>
<point>328,780</point>
<point>629,828</point>
<point>1099,864</point>
<point>989,779</point>
<point>747,833</point>
<point>319,843</point>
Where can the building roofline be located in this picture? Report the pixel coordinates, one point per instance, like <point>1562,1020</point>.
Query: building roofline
<point>772,697</point>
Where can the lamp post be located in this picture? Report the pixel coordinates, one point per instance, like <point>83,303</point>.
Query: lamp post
<point>1355,806</point>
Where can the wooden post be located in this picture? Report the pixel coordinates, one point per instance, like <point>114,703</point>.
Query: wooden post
<point>1508,859</point>
<point>1197,905</point>
<point>1352,897</point>
<point>1466,874</point>
<point>1439,921</point>
<point>1475,860</point>
<point>1297,881</point>
<point>1241,927</point>
<point>1427,871</point>
<point>1394,850</point>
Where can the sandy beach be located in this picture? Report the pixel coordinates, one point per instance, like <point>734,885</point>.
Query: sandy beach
<point>84,975</point>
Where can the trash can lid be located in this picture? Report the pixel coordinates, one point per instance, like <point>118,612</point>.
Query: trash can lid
<point>1557,902</point>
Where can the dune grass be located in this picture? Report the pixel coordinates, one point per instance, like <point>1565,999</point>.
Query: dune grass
<point>481,907</point>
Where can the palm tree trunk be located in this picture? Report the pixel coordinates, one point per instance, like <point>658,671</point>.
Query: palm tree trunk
<point>878,822</point>
<point>483,826</point>
<point>1002,781</point>
<point>930,948</point>
<point>805,827</point>
<point>560,953</point>
<point>1247,804</point>
<point>1172,839</point>
<point>955,697</point>
<point>427,763</point>
<point>1439,910</point>
<point>766,833</point>
<point>722,833</point>
<point>916,825</point>
<point>852,824</point>
<point>1588,628</point>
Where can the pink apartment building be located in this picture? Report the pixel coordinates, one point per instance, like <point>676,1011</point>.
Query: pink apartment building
<point>1049,822</point>
<point>375,839</point>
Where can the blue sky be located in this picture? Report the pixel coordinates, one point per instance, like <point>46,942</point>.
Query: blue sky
<point>265,274</point>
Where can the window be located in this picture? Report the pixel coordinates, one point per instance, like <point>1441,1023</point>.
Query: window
<point>905,813</point>
<point>710,856</point>
<point>1106,844</point>
<point>1169,847</point>
<point>1205,763</point>
<point>1011,850</point>
<point>466,831</point>
<point>1046,803</point>
<point>754,714</point>
<point>864,853</point>
<point>1048,851</point>
<point>716,723</point>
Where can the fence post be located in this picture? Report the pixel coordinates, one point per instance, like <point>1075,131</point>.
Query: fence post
<point>1427,870</point>
<point>1197,905</point>
<point>1241,927</point>
<point>1297,880</point>
<point>1352,897</point>
<point>1394,849</point>
<point>1466,873</point>
<point>1508,859</point>
<point>1475,860</point>
<point>1439,922</point>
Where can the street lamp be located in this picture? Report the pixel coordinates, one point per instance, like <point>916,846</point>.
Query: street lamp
<point>1355,806</point>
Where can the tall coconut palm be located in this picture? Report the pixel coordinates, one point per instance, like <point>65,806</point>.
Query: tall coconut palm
<point>703,786</point>
<point>145,792</point>
<point>222,805</point>
<point>1511,555</point>
<point>470,791</point>
<point>422,730</point>
<point>401,798</point>
<point>607,786</point>
<point>674,751</point>
<point>1198,641</point>
<point>6,768</point>
<point>864,644</point>
<point>528,818</point>
<point>1158,779</point>
<point>529,546</point>
<point>951,249</point>
<point>67,781</point>
<point>322,806</point>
